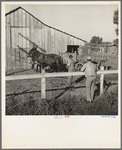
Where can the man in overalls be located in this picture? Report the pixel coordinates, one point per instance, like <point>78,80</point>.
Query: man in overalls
<point>71,68</point>
<point>90,74</point>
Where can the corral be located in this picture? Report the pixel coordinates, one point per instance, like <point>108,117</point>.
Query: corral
<point>23,96</point>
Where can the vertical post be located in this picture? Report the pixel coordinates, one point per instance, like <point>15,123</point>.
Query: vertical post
<point>43,91</point>
<point>101,80</point>
<point>75,56</point>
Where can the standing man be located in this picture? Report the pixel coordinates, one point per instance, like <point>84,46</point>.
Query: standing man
<point>90,74</point>
<point>71,68</point>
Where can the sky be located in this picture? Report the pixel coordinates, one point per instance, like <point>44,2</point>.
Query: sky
<point>83,20</point>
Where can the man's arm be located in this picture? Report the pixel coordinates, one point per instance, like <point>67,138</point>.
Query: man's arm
<point>68,63</point>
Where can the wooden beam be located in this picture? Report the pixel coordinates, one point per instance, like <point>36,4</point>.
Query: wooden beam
<point>32,42</point>
<point>43,85</point>
<point>101,80</point>
<point>59,74</point>
<point>23,50</point>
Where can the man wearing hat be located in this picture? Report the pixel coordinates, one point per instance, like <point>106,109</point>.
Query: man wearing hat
<point>90,74</point>
<point>71,68</point>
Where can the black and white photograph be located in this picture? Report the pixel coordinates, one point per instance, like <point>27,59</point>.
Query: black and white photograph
<point>62,60</point>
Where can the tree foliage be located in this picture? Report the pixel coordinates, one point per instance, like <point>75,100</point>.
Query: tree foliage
<point>96,40</point>
<point>115,20</point>
<point>115,42</point>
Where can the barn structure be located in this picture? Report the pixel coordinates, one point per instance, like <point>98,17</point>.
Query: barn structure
<point>25,30</point>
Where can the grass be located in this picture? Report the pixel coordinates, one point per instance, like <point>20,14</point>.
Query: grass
<point>106,104</point>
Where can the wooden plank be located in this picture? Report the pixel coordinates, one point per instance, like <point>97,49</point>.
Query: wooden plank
<point>19,17</point>
<point>38,38</point>
<point>68,40</point>
<point>72,40</point>
<point>59,42</point>
<point>13,47</point>
<point>43,85</point>
<point>39,25</point>
<point>64,43</point>
<point>8,20</point>
<point>101,80</point>
<point>24,46</point>
<point>27,18</point>
<point>28,43</point>
<point>49,40</point>
<point>21,45</point>
<point>35,23</point>
<point>55,42</point>
<point>7,52</point>
<point>14,36</point>
<point>24,40</point>
<point>12,19</point>
<point>31,31</point>
<point>16,18</point>
<point>16,30</point>
<point>20,14</point>
<point>8,49</point>
<point>22,49</point>
<point>27,47</point>
<point>59,74</point>
<point>43,37</point>
<point>46,39</point>
<point>52,41</point>
<point>32,42</point>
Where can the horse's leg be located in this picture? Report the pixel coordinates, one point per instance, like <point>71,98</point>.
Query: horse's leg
<point>58,67</point>
<point>40,67</point>
<point>37,68</point>
<point>32,65</point>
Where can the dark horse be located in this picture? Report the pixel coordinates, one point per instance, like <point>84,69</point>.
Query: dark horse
<point>54,61</point>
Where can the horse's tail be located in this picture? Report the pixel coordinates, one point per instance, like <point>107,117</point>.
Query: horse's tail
<point>61,60</point>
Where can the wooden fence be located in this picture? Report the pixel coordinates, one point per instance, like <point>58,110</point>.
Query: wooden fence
<point>44,75</point>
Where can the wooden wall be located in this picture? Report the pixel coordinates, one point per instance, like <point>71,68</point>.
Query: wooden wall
<point>23,29</point>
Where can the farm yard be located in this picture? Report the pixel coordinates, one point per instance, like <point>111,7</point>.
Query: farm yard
<point>23,97</point>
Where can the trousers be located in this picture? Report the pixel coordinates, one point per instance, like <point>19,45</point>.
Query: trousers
<point>70,78</point>
<point>90,87</point>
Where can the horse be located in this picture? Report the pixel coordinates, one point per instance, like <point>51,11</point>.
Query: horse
<point>53,61</point>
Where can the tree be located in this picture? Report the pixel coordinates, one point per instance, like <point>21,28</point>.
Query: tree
<point>96,40</point>
<point>115,20</point>
<point>115,42</point>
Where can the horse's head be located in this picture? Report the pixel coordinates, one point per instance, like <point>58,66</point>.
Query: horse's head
<point>33,53</point>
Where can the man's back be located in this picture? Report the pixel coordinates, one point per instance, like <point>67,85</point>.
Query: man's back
<point>89,68</point>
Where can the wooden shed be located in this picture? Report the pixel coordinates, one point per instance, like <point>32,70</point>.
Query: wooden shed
<point>25,30</point>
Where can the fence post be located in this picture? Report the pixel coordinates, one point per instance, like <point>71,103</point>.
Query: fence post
<point>75,56</point>
<point>43,90</point>
<point>101,80</point>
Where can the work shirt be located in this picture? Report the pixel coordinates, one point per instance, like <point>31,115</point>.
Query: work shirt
<point>89,68</point>
<point>71,65</point>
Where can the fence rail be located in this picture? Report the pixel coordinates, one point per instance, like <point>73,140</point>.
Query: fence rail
<point>61,74</point>
<point>44,75</point>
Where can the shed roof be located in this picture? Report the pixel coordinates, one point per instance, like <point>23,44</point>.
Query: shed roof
<point>43,23</point>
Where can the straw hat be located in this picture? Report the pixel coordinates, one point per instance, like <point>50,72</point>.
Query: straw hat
<point>88,57</point>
